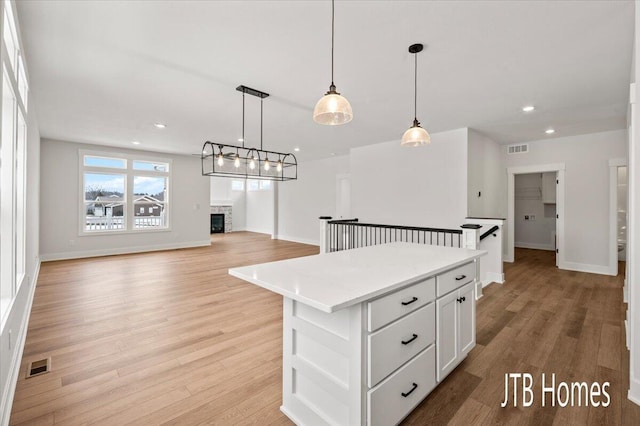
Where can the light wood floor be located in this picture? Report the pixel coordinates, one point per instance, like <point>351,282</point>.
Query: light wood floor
<point>170,338</point>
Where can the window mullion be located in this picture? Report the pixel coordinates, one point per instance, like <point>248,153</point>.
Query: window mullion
<point>129,198</point>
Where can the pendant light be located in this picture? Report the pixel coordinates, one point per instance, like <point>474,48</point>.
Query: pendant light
<point>416,135</point>
<point>332,109</point>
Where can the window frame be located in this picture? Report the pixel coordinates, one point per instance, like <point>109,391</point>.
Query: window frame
<point>129,174</point>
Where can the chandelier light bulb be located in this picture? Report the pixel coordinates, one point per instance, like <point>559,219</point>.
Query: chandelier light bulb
<point>279,166</point>
<point>252,163</point>
<point>236,162</point>
<point>220,159</point>
<point>267,166</point>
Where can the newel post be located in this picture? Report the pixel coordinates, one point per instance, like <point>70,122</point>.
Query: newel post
<point>324,234</point>
<point>471,236</point>
<point>471,240</point>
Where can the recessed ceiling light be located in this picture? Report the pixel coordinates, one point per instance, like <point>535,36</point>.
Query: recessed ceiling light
<point>240,140</point>
<point>296,149</point>
<point>333,154</point>
<point>549,131</point>
<point>135,142</point>
<point>160,125</point>
<point>528,108</point>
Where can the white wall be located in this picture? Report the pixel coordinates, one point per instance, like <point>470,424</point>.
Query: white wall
<point>15,329</point>
<point>536,233</point>
<point>220,190</point>
<point>487,176</point>
<point>586,191</point>
<point>221,193</point>
<point>302,201</point>
<point>422,186</point>
<point>59,198</point>
<point>260,211</point>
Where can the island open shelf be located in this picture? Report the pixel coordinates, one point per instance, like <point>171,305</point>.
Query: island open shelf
<point>369,332</point>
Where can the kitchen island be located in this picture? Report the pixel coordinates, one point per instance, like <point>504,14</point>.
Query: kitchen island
<point>369,332</point>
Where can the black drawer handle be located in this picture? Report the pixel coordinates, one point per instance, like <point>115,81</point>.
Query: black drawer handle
<point>460,277</point>
<point>413,299</point>
<point>460,300</point>
<point>406,342</point>
<point>414,387</point>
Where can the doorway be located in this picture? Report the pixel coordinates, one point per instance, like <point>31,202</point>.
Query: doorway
<point>535,214</point>
<point>557,171</point>
<point>618,207</point>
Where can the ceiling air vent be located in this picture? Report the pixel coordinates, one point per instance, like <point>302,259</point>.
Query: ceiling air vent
<point>518,149</point>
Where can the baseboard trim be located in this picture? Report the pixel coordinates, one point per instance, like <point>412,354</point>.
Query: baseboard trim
<point>492,277</point>
<point>258,231</point>
<point>634,391</point>
<point>534,246</point>
<point>584,267</point>
<point>297,240</point>
<point>14,368</point>
<point>49,257</point>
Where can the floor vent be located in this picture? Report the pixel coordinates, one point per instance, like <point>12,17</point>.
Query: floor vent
<point>39,367</point>
<point>518,149</point>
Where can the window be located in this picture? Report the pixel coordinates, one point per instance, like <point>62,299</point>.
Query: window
<point>265,185</point>
<point>7,175</point>
<point>237,185</point>
<point>104,201</point>
<point>258,185</point>
<point>20,199</point>
<point>13,161</point>
<point>123,194</point>
<point>10,36</point>
<point>112,163</point>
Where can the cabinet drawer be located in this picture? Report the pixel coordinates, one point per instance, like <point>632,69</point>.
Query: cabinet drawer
<point>393,399</point>
<point>392,306</point>
<point>397,343</point>
<point>456,278</point>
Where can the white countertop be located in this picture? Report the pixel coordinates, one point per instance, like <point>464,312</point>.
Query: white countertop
<point>334,281</point>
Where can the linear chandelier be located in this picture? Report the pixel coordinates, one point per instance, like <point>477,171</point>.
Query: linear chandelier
<point>250,163</point>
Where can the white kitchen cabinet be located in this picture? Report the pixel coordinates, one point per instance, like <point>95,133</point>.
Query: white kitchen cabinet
<point>456,325</point>
<point>361,328</point>
<point>549,188</point>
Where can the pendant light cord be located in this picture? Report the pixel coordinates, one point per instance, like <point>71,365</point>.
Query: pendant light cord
<point>261,124</point>
<point>415,89</point>
<point>333,17</point>
<point>243,119</point>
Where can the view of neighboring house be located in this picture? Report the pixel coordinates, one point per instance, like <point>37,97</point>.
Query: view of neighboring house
<point>147,205</point>
<point>107,212</point>
<point>110,205</point>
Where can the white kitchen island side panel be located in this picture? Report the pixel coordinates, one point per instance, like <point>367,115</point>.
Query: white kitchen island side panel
<point>322,365</point>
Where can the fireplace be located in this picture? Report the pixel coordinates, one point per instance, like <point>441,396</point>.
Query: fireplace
<point>217,223</point>
<point>221,216</point>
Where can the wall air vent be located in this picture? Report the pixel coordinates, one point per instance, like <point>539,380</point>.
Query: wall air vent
<point>522,148</point>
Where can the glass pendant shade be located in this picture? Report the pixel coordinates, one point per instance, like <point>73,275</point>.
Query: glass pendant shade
<point>332,109</point>
<point>415,136</point>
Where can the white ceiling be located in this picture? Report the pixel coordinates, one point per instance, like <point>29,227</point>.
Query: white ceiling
<point>104,71</point>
